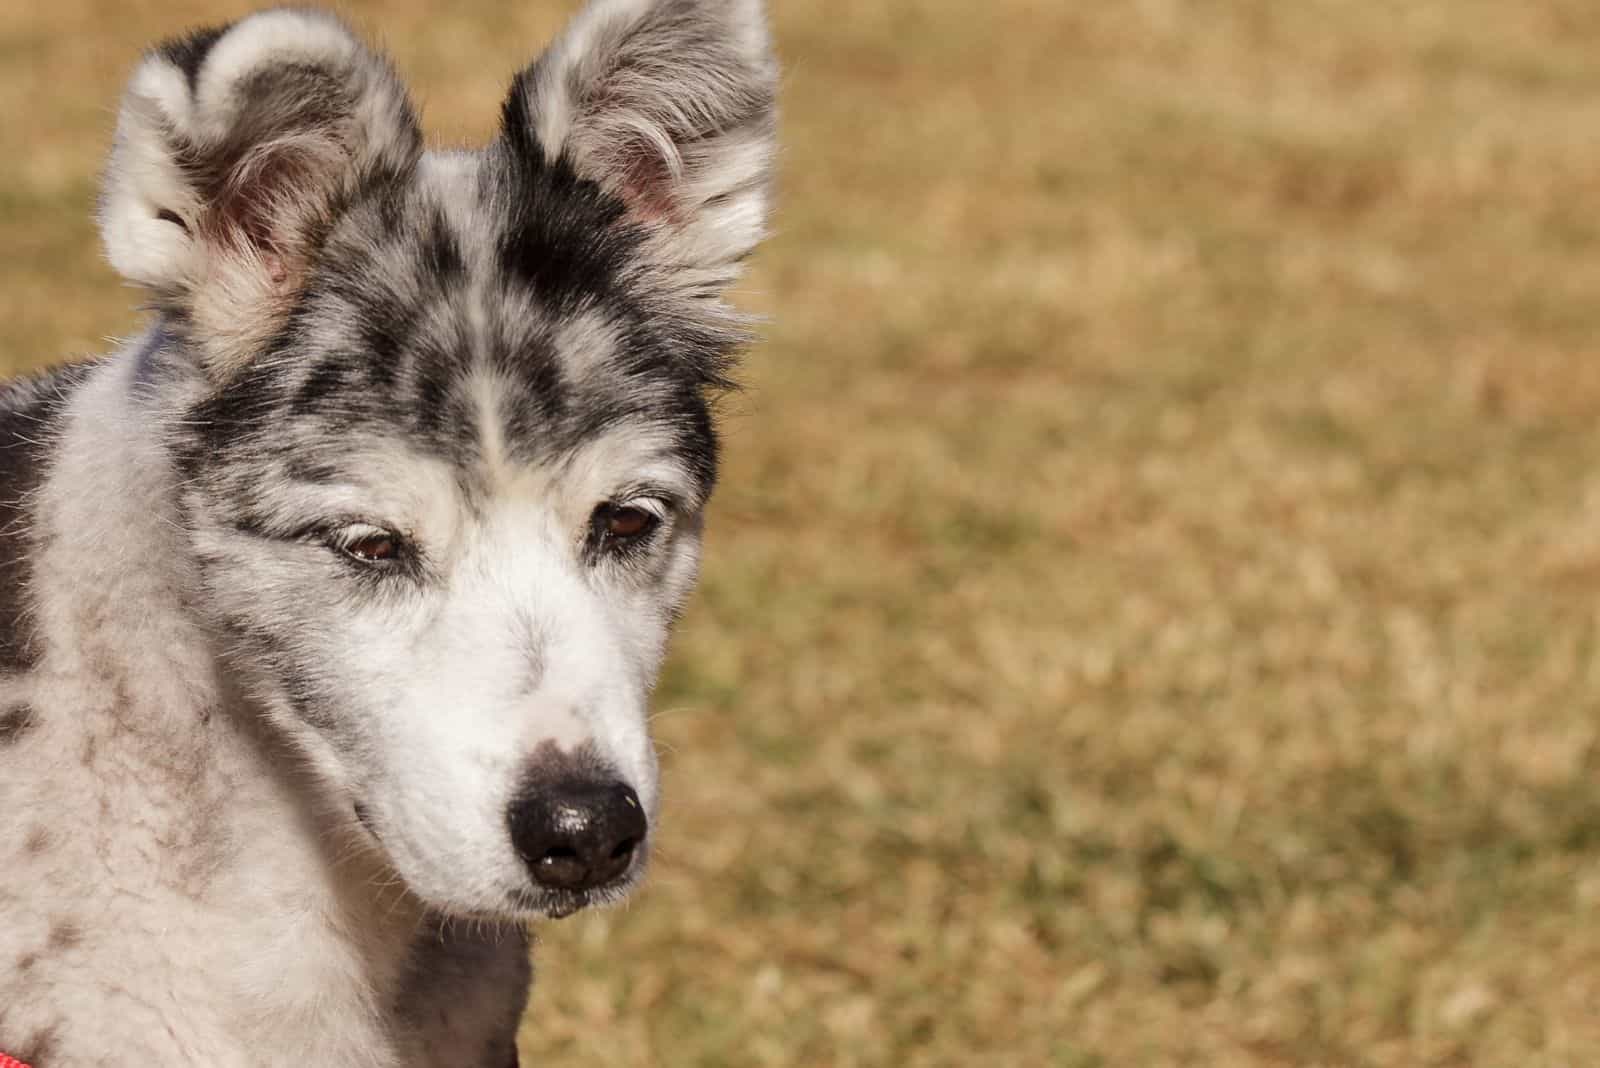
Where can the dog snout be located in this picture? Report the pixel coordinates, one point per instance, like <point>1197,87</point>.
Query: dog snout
<point>578,836</point>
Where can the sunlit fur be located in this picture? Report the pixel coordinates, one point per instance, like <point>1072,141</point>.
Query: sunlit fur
<point>261,785</point>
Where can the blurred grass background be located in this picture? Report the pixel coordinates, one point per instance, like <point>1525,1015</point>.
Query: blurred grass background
<point>1150,614</point>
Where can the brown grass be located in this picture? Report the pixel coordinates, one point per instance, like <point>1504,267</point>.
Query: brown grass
<point>1151,609</point>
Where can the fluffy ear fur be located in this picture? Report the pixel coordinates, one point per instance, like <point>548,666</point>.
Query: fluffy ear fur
<point>233,146</point>
<point>670,106</point>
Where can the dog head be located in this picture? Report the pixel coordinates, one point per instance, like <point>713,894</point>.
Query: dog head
<point>442,420</point>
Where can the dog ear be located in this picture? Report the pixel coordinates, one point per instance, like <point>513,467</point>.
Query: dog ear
<point>669,105</point>
<point>233,149</point>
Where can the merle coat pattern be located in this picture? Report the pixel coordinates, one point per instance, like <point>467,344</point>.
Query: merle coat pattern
<point>332,602</point>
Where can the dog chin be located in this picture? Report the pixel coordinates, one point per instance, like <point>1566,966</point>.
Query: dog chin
<point>556,905</point>
<point>541,903</point>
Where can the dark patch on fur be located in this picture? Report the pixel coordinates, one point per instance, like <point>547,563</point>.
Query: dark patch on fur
<point>549,765</point>
<point>697,439</point>
<point>169,216</point>
<point>386,327</point>
<point>451,980</point>
<point>64,934</point>
<point>441,252</point>
<point>15,722</point>
<point>27,961</point>
<point>222,418</point>
<point>325,381</point>
<point>30,411</point>
<point>38,1050</point>
<point>567,238</point>
<point>311,471</point>
<point>188,52</point>
<point>39,840</point>
<point>266,646</point>
<point>432,393</point>
<point>518,132</point>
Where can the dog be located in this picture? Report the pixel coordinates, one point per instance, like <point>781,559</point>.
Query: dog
<point>333,601</point>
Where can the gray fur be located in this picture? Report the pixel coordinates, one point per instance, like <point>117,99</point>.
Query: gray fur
<point>15,723</point>
<point>256,782</point>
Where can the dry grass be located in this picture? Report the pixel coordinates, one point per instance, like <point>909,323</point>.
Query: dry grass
<point>1151,613</point>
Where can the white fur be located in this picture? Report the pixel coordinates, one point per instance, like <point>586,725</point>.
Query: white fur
<point>440,679</point>
<point>118,709</point>
<point>142,247</point>
<point>277,953</point>
<point>219,879</point>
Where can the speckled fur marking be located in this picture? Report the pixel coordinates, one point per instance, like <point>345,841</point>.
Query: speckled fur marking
<point>311,583</point>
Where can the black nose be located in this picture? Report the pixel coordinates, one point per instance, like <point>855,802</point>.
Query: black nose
<point>578,836</point>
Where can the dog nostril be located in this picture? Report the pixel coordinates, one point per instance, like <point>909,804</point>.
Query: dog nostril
<point>559,855</point>
<point>559,866</point>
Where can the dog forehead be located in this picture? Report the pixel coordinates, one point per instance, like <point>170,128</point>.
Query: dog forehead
<point>456,271</point>
<point>485,319</point>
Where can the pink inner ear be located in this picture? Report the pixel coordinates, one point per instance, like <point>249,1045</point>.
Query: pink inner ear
<point>268,200</point>
<point>646,184</point>
<point>640,176</point>
<point>277,269</point>
<point>648,204</point>
<point>636,172</point>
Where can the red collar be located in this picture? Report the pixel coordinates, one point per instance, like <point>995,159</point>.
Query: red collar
<point>10,1062</point>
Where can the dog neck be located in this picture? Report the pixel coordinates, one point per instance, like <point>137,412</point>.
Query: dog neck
<point>190,793</point>
<point>110,595</point>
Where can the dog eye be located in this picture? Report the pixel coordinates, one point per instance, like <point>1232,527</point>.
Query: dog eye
<point>376,547</point>
<point>619,524</point>
<point>371,546</point>
<point>629,522</point>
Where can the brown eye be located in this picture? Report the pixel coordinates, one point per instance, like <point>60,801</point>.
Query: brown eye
<point>629,522</point>
<point>374,548</point>
<point>620,526</point>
